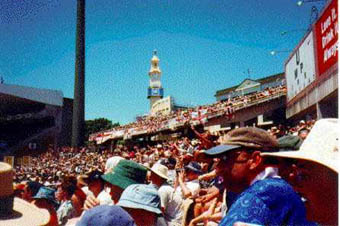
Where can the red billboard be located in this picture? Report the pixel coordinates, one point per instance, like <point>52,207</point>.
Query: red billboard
<point>326,38</point>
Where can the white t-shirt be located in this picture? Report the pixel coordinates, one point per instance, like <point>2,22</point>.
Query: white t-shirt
<point>172,204</point>
<point>172,201</point>
<point>103,197</point>
<point>193,186</point>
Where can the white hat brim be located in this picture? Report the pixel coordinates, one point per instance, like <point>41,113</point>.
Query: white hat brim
<point>158,173</point>
<point>330,163</point>
<point>321,145</point>
<point>26,214</point>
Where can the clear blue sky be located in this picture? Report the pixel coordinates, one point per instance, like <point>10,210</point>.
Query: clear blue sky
<point>203,46</point>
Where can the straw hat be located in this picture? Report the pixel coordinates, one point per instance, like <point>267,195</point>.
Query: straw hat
<point>15,211</point>
<point>321,145</point>
<point>160,170</point>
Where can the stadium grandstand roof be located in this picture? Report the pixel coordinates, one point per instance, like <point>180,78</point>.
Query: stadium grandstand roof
<point>45,96</point>
<point>264,80</point>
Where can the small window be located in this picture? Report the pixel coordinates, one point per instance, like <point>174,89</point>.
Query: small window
<point>296,73</point>
<point>297,57</point>
<point>305,74</point>
<point>297,81</point>
<point>301,67</point>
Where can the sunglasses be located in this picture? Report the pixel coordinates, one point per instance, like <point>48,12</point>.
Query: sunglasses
<point>232,156</point>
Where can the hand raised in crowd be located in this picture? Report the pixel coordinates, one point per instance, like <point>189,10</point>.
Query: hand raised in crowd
<point>181,176</point>
<point>90,202</point>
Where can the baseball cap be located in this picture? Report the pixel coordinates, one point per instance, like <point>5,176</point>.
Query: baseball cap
<point>245,137</point>
<point>93,176</point>
<point>194,167</point>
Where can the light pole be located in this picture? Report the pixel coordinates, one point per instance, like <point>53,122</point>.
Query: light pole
<point>314,14</point>
<point>78,120</point>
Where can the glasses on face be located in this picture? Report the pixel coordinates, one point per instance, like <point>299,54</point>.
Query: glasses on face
<point>232,157</point>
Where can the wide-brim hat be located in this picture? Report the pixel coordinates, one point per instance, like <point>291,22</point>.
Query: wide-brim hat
<point>320,146</point>
<point>126,173</point>
<point>15,211</point>
<point>160,170</point>
<point>245,137</point>
<point>25,213</point>
<point>141,196</point>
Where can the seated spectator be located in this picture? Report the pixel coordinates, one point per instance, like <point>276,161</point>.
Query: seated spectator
<point>106,215</point>
<point>125,173</point>
<point>142,202</point>
<point>64,194</point>
<point>31,189</point>
<point>188,180</point>
<point>15,211</point>
<point>314,171</point>
<point>303,132</point>
<point>270,200</point>
<point>171,204</point>
<point>45,199</point>
<point>78,199</point>
<point>96,187</point>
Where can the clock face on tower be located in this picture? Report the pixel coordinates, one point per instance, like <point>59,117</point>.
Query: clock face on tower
<point>155,92</point>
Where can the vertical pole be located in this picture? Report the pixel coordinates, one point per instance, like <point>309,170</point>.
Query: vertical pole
<point>78,122</point>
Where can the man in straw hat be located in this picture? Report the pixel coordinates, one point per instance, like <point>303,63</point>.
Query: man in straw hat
<point>171,202</point>
<point>15,211</point>
<point>314,171</point>
<point>264,198</point>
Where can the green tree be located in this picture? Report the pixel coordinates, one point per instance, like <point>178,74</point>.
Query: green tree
<point>97,125</point>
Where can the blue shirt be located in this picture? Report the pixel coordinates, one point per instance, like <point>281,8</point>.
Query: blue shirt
<point>271,201</point>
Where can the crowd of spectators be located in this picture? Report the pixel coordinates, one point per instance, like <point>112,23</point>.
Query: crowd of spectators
<point>234,177</point>
<point>71,183</point>
<point>194,115</point>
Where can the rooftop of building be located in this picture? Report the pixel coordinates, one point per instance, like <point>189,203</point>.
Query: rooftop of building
<point>264,80</point>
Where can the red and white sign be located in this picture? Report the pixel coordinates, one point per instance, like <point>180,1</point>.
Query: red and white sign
<point>326,34</point>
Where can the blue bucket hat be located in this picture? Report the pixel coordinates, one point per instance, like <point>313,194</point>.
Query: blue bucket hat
<point>141,196</point>
<point>105,215</point>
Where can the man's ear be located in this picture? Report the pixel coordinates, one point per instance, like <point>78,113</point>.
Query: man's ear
<point>255,160</point>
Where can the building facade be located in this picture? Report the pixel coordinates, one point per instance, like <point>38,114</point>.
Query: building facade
<point>312,70</point>
<point>33,119</point>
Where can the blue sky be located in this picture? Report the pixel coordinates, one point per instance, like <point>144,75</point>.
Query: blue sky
<point>203,46</point>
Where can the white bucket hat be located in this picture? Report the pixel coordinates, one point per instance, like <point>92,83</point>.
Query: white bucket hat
<point>321,145</point>
<point>160,170</point>
<point>111,163</point>
<point>15,211</point>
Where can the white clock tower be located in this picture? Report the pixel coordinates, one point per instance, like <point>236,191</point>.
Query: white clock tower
<point>155,90</point>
